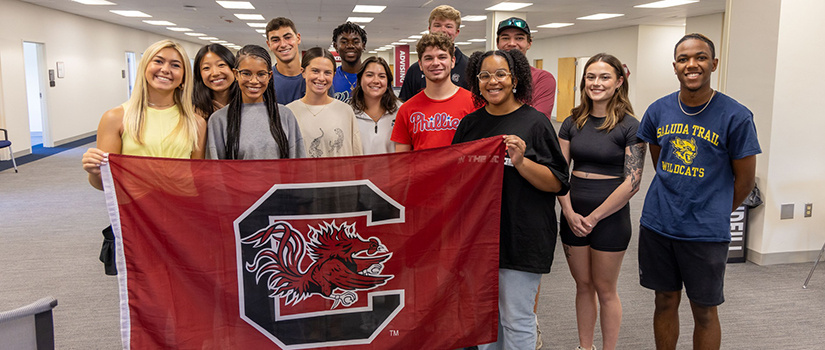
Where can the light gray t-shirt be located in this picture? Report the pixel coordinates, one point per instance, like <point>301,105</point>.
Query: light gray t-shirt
<point>256,141</point>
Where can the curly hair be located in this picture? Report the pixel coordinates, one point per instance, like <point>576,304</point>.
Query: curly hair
<point>519,70</point>
<point>619,104</point>
<point>388,100</point>
<point>438,40</point>
<point>350,27</point>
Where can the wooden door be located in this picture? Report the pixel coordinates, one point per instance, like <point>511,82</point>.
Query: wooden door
<point>566,87</point>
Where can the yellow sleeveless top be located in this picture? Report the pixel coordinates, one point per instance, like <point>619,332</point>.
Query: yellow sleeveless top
<point>158,137</point>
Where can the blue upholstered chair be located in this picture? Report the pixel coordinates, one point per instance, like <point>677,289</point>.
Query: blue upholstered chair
<point>6,143</point>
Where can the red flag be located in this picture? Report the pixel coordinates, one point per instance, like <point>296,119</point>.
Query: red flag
<point>395,251</point>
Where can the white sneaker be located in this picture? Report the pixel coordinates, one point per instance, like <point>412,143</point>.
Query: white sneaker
<point>592,347</point>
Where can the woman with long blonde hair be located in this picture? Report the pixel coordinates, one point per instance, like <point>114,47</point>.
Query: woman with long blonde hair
<point>157,121</point>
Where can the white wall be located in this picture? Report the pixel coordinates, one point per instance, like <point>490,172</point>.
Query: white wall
<point>654,73</point>
<point>771,42</point>
<point>94,55</point>
<point>711,27</point>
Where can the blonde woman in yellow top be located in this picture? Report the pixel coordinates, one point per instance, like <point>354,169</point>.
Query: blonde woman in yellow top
<point>158,120</point>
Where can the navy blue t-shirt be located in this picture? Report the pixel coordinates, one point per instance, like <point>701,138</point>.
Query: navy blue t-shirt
<point>288,89</point>
<point>691,195</point>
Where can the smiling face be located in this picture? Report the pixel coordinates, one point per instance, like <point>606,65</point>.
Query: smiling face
<point>350,46</point>
<point>283,42</point>
<point>165,70</point>
<point>495,81</point>
<point>216,73</point>
<point>601,81</point>
<point>253,76</point>
<point>513,38</point>
<point>694,64</point>
<point>446,26</point>
<point>436,64</point>
<point>318,74</point>
<point>374,81</point>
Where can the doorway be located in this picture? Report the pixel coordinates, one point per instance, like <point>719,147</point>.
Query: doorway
<point>35,67</point>
<point>129,74</point>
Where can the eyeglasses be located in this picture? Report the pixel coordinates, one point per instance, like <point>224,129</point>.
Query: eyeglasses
<point>246,75</point>
<point>500,75</point>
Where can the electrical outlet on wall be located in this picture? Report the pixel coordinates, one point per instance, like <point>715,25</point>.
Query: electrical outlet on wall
<point>809,208</point>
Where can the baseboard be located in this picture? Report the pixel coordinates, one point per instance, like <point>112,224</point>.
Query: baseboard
<point>782,258</point>
<point>74,138</point>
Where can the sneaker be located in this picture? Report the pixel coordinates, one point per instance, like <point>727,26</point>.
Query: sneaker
<point>592,347</point>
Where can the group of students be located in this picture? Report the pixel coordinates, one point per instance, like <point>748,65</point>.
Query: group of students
<point>257,110</point>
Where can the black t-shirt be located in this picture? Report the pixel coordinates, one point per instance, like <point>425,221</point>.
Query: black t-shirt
<point>415,81</point>
<point>528,216</point>
<point>598,151</point>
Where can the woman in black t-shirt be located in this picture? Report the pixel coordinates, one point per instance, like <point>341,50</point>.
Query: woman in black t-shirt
<point>534,172</point>
<point>600,138</point>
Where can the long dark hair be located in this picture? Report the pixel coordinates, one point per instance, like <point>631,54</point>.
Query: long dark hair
<point>202,95</point>
<point>619,104</point>
<point>388,100</point>
<point>519,68</point>
<point>233,114</point>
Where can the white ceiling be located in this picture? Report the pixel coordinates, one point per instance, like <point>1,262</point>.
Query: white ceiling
<point>315,19</point>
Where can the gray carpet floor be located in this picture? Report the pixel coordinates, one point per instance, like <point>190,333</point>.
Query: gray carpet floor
<point>50,222</point>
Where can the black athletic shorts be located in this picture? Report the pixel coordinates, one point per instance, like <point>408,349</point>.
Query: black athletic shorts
<point>665,264</point>
<point>611,234</point>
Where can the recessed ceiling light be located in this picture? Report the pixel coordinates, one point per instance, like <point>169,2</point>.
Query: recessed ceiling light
<point>208,38</point>
<point>373,51</point>
<point>360,19</point>
<point>534,31</point>
<point>508,6</point>
<point>415,36</point>
<point>219,41</point>
<point>555,25</point>
<point>236,5</point>
<point>262,31</point>
<point>368,9</point>
<point>476,18</point>
<point>463,43</point>
<point>230,44</point>
<point>600,16</point>
<point>462,26</point>
<point>397,43</point>
<point>477,40</point>
<point>129,13</point>
<point>407,40</point>
<point>250,17</point>
<point>195,34</point>
<point>160,23</point>
<point>94,2</point>
<point>665,3</point>
<point>425,32</point>
<point>179,29</point>
<point>257,25</point>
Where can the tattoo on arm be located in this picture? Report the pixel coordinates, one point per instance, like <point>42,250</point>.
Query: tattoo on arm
<point>634,163</point>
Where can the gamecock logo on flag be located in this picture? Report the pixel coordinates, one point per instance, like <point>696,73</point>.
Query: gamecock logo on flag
<point>396,251</point>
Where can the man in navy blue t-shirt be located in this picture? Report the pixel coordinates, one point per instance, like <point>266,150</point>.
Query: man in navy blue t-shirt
<point>703,145</point>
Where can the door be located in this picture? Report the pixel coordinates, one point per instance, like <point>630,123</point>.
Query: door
<point>566,86</point>
<point>35,71</point>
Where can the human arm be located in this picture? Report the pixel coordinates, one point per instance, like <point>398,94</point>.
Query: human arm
<point>744,178</point>
<point>108,141</point>
<point>654,154</point>
<point>633,165</point>
<point>574,220</point>
<point>402,147</point>
<point>540,176</point>
<point>200,151</point>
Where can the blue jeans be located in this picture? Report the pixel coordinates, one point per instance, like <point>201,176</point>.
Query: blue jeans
<point>516,320</point>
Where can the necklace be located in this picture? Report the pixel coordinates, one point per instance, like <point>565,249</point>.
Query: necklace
<point>159,106</point>
<point>316,113</point>
<point>679,100</point>
<point>351,84</point>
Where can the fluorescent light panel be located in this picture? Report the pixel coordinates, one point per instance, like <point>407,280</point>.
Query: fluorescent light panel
<point>474,18</point>
<point>555,25</point>
<point>257,25</point>
<point>250,17</point>
<point>195,34</point>
<point>129,13</point>
<point>415,37</point>
<point>94,2</point>
<point>600,16</point>
<point>477,40</point>
<point>160,23</point>
<point>208,38</point>
<point>508,6</point>
<point>368,9</point>
<point>179,29</point>
<point>407,40</point>
<point>360,19</point>
<point>262,31</point>
<point>463,43</point>
<point>236,5</point>
<point>665,3</point>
